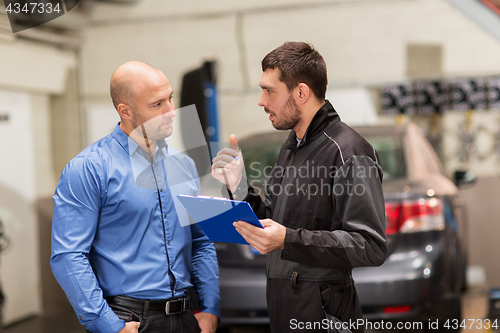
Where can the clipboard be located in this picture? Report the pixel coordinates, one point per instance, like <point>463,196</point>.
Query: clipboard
<point>216,216</point>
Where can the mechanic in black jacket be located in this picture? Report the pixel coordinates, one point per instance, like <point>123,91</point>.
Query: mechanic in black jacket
<point>323,213</point>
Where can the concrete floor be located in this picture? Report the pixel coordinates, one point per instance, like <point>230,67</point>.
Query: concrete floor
<point>61,322</point>
<point>475,306</point>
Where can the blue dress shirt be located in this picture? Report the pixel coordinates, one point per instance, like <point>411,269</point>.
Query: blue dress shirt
<point>119,229</point>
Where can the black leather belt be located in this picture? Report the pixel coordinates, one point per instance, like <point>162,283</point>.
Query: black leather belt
<point>170,307</point>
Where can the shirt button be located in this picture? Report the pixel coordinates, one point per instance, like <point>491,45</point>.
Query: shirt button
<point>168,242</point>
<point>171,266</point>
<point>164,215</point>
<point>161,190</point>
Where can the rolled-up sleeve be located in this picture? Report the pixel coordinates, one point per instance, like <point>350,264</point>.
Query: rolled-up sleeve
<point>205,272</point>
<point>77,204</point>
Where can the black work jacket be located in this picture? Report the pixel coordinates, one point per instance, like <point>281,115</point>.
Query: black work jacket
<point>328,193</point>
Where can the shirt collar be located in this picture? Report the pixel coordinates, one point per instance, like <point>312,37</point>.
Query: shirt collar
<point>129,145</point>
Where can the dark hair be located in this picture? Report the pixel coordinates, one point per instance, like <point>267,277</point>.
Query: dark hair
<point>298,62</point>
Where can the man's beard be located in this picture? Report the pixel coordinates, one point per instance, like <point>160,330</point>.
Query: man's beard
<point>151,129</point>
<point>289,118</point>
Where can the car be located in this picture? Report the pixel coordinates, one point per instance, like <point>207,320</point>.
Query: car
<point>424,274</point>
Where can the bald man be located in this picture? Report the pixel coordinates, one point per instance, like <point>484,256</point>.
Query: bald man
<point>119,248</point>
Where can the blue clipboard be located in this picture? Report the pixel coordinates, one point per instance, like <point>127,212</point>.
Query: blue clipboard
<point>216,216</point>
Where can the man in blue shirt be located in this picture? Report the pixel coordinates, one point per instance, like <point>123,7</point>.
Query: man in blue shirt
<point>121,247</point>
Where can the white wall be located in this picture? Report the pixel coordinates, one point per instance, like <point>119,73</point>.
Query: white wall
<point>34,67</point>
<point>357,106</point>
<point>45,178</point>
<point>363,43</point>
<point>19,273</point>
<point>101,120</point>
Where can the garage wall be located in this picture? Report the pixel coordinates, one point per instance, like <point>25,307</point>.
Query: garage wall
<point>34,67</point>
<point>483,211</point>
<point>45,177</point>
<point>363,42</point>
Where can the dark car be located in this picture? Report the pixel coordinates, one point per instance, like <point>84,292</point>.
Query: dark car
<point>424,274</point>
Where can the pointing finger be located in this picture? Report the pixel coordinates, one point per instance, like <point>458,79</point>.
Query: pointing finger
<point>233,142</point>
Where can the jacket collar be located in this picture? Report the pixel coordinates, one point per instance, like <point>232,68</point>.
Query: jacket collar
<point>325,116</point>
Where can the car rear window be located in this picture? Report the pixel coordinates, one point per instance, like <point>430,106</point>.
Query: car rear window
<point>390,152</point>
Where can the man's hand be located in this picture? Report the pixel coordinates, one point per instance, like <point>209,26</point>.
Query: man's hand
<point>271,238</point>
<point>131,327</point>
<point>228,165</point>
<point>207,322</point>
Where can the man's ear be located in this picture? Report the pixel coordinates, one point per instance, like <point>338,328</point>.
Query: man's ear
<point>124,111</point>
<point>303,93</point>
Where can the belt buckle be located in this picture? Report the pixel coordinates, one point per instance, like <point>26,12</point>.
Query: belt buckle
<point>167,307</point>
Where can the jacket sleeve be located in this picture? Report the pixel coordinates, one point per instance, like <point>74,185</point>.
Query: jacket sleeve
<point>246,192</point>
<point>358,203</point>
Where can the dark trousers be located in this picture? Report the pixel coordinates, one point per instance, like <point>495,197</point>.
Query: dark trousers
<point>158,321</point>
<point>302,309</point>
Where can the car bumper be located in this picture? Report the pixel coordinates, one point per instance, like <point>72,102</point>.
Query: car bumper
<point>406,286</point>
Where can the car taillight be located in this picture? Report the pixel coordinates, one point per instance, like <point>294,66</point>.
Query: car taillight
<point>397,309</point>
<point>414,216</point>
<point>392,218</point>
